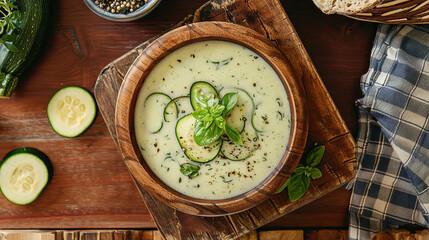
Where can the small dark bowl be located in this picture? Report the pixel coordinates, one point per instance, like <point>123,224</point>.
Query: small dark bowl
<point>119,17</point>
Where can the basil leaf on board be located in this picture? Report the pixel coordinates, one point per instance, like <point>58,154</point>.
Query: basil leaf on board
<point>299,170</point>
<point>189,170</point>
<point>315,156</point>
<point>206,135</point>
<point>200,114</point>
<point>283,186</point>
<point>315,173</point>
<point>233,134</point>
<point>298,185</point>
<point>229,101</point>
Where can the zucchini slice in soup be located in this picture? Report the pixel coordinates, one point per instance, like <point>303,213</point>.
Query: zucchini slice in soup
<point>24,173</point>
<point>154,105</point>
<point>71,111</point>
<point>243,110</point>
<point>177,108</point>
<point>185,136</point>
<point>236,152</point>
<point>200,92</point>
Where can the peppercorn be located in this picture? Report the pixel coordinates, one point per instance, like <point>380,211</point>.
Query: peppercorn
<point>120,6</point>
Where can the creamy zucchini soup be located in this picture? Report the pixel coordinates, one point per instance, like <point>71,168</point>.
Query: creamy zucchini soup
<point>212,120</point>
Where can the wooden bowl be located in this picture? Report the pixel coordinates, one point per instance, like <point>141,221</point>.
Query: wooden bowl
<point>132,84</point>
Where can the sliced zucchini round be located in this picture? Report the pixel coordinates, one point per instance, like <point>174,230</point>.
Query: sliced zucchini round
<point>236,152</point>
<point>71,111</point>
<point>24,173</point>
<point>177,108</point>
<point>155,105</point>
<point>242,111</point>
<point>185,136</point>
<point>258,121</point>
<point>200,93</point>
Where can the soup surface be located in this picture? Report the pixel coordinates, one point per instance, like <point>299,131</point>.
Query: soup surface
<point>261,115</point>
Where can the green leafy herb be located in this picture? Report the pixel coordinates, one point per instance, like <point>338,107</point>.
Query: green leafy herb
<point>189,170</point>
<point>9,21</point>
<point>229,101</point>
<point>222,63</point>
<point>315,156</point>
<point>233,134</point>
<point>299,181</point>
<point>210,121</point>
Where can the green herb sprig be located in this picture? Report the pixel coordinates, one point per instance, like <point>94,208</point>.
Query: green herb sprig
<point>210,121</point>
<point>9,21</point>
<point>189,170</point>
<point>299,182</point>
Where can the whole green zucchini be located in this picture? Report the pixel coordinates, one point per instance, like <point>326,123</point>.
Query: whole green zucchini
<point>30,33</point>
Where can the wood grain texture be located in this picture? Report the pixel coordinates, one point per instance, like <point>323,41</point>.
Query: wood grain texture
<point>328,128</point>
<point>92,187</point>
<point>136,75</point>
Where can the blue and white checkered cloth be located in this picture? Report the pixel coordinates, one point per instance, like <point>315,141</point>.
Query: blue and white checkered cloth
<point>392,183</point>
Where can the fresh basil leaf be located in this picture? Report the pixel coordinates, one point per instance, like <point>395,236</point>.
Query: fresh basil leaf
<point>298,186</point>
<point>206,135</point>
<point>9,37</point>
<point>233,134</point>
<point>10,47</point>
<point>283,186</point>
<point>229,101</point>
<point>315,156</point>
<point>307,171</point>
<point>212,101</point>
<point>200,114</point>
<point>189,170</point>
<point>207,121</point>
<point>217,110</point>
<point>201,98</point>
<point>315,173</point>
<point>299,170</point>
<point>220,122</point>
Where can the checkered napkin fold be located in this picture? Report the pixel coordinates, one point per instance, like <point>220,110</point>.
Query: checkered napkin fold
<point>392,183</point>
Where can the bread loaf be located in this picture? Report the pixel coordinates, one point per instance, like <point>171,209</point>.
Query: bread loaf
<point>345,6</point>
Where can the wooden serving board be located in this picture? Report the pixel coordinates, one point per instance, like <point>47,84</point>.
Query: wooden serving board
<point>326,125</point>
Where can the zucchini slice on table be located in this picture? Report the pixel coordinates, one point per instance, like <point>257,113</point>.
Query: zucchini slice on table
<point>185,136</point>
<point>24,173</point>
<point>200,93</point>
<point>155,105</point>
<point>71,111</point>
<point>29,39</point>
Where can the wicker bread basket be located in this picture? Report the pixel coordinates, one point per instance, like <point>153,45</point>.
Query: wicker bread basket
<point>397,12</point>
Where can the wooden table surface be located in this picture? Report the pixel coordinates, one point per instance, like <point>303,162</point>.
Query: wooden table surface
<point>91,187</point>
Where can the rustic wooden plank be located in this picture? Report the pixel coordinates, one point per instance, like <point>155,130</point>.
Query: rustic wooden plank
<point>253,235</point>
<point>282,234</point>
<point>326,234</point>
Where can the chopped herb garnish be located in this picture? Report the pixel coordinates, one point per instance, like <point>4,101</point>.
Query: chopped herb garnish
<point>189,170</point>
<point>222,63</point>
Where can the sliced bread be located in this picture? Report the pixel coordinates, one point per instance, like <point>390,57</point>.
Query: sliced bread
<point>345,6</point>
